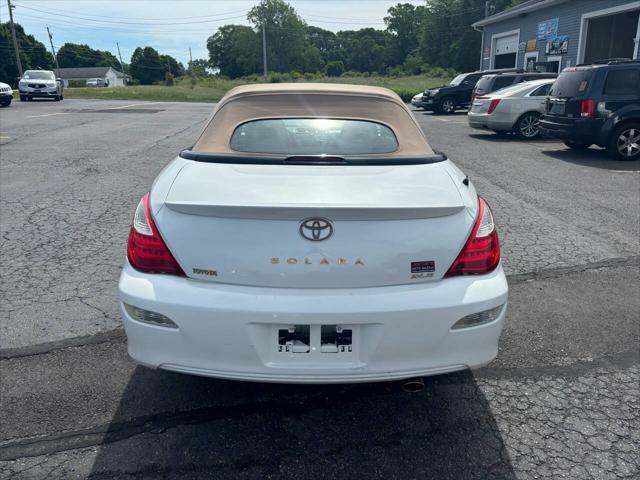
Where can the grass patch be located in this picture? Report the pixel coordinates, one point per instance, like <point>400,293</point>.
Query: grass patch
<point>213,88</point>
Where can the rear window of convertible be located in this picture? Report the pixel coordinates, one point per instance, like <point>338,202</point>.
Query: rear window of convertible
<point>313,136</point>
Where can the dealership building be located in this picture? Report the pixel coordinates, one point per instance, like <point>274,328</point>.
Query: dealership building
<point>549,35</point>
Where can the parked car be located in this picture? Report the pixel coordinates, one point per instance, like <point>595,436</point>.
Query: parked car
<point>597,104</point>
<point>513,109</point>
<point>272,251</point>
<point>497,81</point>
<point>457,94</point>
<point>6,95</point>
<point>97,82</point>
<point>416,101</point>
<point>40,84</point>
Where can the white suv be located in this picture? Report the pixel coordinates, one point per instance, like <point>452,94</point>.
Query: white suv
<point>40,84</point>
<point>6,95</point>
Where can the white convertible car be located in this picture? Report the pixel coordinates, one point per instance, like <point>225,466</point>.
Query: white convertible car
<point>311,235</point>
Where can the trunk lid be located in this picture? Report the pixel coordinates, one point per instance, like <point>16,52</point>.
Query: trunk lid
<point>243,224</point>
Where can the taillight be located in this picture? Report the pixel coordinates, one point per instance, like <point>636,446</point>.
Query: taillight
<point>587,108</point>
<point>146,250</point>
<point>492,106</point>
<point>481,253</point>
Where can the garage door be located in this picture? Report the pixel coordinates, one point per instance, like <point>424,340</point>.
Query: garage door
<point>504,51</point>
<point>505,45</point>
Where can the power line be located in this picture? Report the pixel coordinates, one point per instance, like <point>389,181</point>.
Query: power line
<point>152,19</point>
<point>127,23</point>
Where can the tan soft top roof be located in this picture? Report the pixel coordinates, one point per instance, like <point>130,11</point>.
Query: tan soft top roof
<point>315,100</point>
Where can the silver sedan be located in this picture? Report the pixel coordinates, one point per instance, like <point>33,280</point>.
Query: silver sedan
<point>514,109</point>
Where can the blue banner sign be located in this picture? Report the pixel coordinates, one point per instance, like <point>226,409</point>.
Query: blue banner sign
<point>548,29</point>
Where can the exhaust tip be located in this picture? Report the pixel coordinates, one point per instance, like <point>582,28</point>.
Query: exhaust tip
<point>413,385</point>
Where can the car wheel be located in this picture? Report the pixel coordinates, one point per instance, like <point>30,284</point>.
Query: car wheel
<point>23,98</point>
<point>577,145</point>
<point>625,142</point>
<point>529,125</point>
<point>56,98</point>
<point>447,106</point>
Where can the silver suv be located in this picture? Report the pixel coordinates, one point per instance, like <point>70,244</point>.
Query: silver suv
<point>40,83</point>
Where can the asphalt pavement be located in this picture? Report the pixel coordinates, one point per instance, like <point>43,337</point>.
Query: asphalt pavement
<point>562,400</point>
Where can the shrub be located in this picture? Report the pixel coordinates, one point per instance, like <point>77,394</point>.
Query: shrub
<point>406,94</point>
<point>334,68</point>
<point>168,79</point>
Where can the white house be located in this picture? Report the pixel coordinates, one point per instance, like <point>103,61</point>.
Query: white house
<point>112,78</point>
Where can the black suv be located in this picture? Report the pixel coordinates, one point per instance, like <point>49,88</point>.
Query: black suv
<point>496,81</point>
<point>597,104</point>
<point>455,95</point>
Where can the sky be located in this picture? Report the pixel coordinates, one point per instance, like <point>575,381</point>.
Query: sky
<point>172,26</point>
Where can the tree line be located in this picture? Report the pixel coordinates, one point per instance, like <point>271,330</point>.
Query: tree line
<point>146,66</point>
<point>415,38</point>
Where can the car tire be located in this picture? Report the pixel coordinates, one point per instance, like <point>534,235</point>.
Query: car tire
<point>576,145</point>
<point>56,98</point>
<point>447,106</point>
<point>528,126</point>
<point>625,142</point>
<point>23,98</point>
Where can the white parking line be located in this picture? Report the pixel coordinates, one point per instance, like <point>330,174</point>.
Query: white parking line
<point>94,109</point>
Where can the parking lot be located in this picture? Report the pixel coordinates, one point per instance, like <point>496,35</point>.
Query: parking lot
<point>562,400</point>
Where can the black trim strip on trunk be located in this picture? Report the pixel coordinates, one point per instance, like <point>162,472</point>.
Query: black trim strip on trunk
<point>267,159</point>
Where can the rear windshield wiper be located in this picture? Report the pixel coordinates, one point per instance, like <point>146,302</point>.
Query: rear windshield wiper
<point>270,159</point>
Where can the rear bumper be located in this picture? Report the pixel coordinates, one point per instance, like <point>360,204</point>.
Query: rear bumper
<point>231,332</point>
<point>576,130</point>
<point>484,121</point>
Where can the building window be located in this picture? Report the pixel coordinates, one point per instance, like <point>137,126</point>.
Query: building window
<point>611,36</point>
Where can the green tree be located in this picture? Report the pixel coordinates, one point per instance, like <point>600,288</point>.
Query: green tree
<point>334,68</point>
<point>403,22</point>
<point>79,55</point>
<point>365,50</point>
<point>175,68</point>
<point>200,67</point>
<point>235,51</point>
<point>33,54</point>
<point>146,66</point>
<point>285,33</point>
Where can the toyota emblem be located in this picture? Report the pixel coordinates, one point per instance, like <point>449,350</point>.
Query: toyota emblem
<point>316,229</point>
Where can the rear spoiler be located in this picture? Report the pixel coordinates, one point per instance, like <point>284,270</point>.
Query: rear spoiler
<point>269,159</point>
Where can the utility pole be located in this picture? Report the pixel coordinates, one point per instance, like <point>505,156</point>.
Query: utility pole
<point>487,6</point>
<point>168,65</point>
<point>120,57</point>
<point>190,62</point>
<point>53,50</point>
<point>264,51</point>
<point>15,40</point>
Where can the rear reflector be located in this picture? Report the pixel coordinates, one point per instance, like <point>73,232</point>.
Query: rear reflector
<point>146,250</point>
<point>492,106</point>
<point>147,316</point>
<point>481,253</point>
<point>476,319</point>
